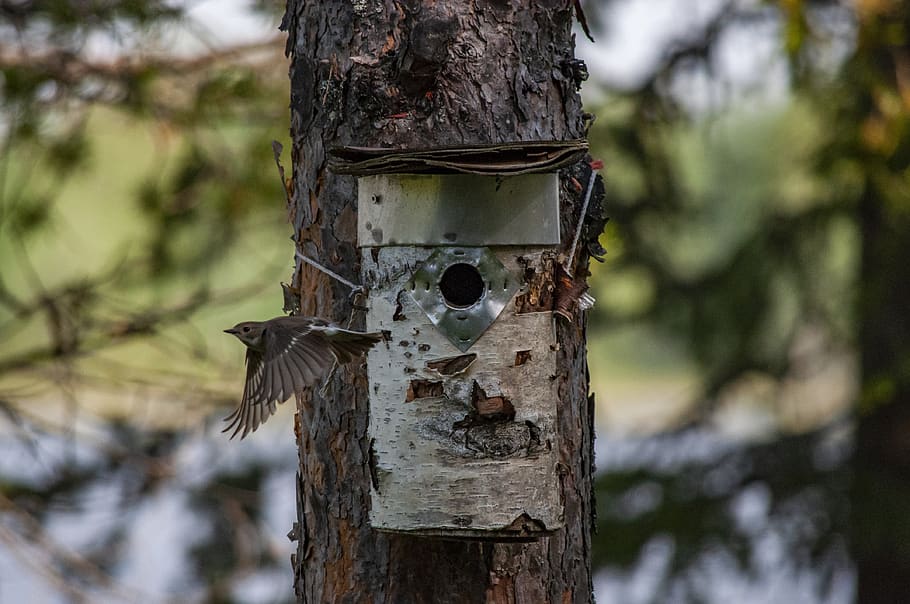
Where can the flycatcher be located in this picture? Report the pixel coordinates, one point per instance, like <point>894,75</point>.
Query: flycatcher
<point>285,355</point>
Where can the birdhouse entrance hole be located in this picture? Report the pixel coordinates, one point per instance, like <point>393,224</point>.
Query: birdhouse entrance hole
<point>461,285</point>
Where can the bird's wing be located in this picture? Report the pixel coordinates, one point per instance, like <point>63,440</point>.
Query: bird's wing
<point>295,357</point>
<point>252,411</point>
<point>298,355</point>
<point>345,344</point>
<point>323,336</point>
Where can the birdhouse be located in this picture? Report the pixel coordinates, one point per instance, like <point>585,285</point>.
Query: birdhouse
<point>463,403</point>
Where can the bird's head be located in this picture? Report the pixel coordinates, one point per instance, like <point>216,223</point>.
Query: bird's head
<point>248,332</point>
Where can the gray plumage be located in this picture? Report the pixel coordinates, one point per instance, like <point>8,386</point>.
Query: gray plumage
<point>285,355</point>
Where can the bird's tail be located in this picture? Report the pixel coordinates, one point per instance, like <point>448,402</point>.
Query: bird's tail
<point>348,345</point>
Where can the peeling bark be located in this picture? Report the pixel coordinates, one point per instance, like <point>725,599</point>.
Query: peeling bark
<point>423,389</point>
<point>409,74</point>
<point>541,285</point>
<point>522,357</point>
<point>452,365</point>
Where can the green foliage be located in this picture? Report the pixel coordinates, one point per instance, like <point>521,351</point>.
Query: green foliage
<point>730,233</point>
<point>138,196</point>
<point>201,131</point>
<point>743,236</point>
<point>29,215</point>
<point>69,152</point>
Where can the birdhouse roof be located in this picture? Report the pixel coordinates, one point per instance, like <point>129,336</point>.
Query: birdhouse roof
<point>506,159</point>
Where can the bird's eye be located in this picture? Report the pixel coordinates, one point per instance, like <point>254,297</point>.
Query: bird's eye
<point>246,329</point>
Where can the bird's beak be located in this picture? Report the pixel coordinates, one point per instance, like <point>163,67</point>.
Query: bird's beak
<point>231,331</point>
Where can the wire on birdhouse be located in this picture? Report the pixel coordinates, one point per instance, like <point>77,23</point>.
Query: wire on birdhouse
<point>354,287</point>
<point>595,166</point>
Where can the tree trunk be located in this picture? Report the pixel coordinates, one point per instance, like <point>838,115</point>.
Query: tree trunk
<point>881,462</point>
<point>881,489</point>
<point>415,74</point>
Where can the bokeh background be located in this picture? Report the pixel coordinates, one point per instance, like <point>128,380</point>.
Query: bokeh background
<point>141,213</point>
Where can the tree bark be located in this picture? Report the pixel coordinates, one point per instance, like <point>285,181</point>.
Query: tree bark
<point>880,529</point>
<point>880,492</point>
<point>411,74</point>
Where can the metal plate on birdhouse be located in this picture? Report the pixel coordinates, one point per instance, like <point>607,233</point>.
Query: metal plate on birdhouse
<point>458,209</point>
<point>462,291</point>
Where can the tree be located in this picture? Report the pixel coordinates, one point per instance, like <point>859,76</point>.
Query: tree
<point>876,113</point>
<point>116,302</point>
<point>419,75</point>
<point>192,201</point>
<point>848,61</point>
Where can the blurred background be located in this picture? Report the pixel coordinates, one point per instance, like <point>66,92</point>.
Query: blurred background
<point>141,213</point>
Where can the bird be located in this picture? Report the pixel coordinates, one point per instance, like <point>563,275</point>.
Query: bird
<point>285,355</point>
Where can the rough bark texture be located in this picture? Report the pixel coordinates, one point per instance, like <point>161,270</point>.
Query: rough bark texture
<point>422,74</point>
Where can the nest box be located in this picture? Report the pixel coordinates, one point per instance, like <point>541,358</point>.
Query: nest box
<point>463,402</point>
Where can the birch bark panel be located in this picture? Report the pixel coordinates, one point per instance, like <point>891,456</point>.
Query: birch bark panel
<point>431,475</point>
